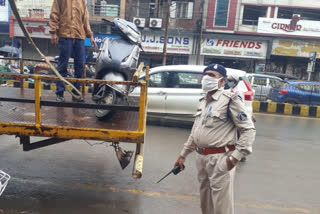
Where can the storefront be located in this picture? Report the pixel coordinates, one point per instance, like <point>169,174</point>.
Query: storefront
<point>291,56</point>
<point>178,49</point>
<point>236,52</point>
<point>38,29</point>
<point>4,24</point>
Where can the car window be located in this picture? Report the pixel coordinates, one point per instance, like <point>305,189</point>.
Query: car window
<point>316,89</point>
<point>158,80</point>
<point>260,81</point>
<point>275,83</point>
<point>184,80</point>
<point>250,79</point>
<point>304,87</point>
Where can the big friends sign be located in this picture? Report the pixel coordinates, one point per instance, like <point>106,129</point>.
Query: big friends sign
<point>234,48</point>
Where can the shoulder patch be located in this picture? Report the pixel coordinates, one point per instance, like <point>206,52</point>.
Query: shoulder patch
<point>242,116</point>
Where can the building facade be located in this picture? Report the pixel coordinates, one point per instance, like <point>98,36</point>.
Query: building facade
<point>35,15</point>
<point>183,29</point>
<point>294,27</point>
<point>4,25</point>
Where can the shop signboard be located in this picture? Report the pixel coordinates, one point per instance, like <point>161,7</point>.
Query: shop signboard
<point>234,48</point>
<point>293,26</point>
<point>175,44</point>
<point>98,38</point>
<point>36,29</point>
<point>34,8</point>
<point>295,48</point>
<point>4,11</point>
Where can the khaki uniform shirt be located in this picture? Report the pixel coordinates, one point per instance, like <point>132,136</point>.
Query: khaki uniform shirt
<point>214,128</point>
<point>70,19</point>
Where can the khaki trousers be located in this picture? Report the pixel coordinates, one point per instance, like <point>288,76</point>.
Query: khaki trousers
<point>216,184</point>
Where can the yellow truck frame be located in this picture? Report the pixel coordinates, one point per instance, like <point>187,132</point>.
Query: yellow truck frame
<point>62,133</point>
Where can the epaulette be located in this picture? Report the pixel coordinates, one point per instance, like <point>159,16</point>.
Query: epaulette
<point>228,93</point>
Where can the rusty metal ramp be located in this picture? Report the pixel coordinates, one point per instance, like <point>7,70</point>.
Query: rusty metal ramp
<point>17,112</point>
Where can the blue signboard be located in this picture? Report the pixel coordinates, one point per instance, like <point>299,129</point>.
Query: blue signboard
<point>99,39</point>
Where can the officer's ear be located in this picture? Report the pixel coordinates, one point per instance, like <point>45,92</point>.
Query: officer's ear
<point>221,82</point>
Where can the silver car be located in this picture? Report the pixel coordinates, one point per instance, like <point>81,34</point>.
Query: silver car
<point>262,84</point>
<point>174,91</point>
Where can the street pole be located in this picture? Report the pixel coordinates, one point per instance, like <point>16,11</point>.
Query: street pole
<point>156,8</point>
<point>164,53</point>
<point>201,33</point>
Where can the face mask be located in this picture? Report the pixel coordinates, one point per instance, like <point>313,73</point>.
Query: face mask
<point>231,84</point>
<point>210,83</point>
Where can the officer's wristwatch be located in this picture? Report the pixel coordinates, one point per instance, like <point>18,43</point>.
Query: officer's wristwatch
<point>232,160</point>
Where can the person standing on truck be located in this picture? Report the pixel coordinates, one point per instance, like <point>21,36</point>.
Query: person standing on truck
<point>214,137</point>
<point>69,25</point>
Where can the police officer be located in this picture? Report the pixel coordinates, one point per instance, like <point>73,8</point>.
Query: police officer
<point>214,137</point>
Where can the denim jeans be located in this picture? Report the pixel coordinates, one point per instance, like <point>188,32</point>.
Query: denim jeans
<point>70,47</point>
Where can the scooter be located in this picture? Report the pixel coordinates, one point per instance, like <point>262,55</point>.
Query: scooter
<point>116,61</point>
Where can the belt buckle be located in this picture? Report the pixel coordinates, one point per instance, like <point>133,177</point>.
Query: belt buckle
<point>226,148</point>
<point>199,150</point>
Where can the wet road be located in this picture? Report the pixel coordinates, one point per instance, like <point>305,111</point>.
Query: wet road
<point>281,176</point>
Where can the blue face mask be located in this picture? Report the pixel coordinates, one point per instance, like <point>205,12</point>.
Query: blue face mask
<point>231,84</point>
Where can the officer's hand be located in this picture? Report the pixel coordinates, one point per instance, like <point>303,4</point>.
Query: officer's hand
<point>180,162</point>
<point>230,164</point>
<point>54,39</point>
<point>93,43</point>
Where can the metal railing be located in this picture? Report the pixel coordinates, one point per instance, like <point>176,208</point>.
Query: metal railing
<point>104,9</point>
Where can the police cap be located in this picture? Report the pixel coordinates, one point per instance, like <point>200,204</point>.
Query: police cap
<point>216,67</point>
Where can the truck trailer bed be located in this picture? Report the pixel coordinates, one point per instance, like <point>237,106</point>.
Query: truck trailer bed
<point>24,113</point>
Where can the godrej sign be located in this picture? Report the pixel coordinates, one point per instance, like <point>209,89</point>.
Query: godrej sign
<point>293,26</point>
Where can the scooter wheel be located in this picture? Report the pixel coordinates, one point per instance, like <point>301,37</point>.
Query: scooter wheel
<point>109,99</point>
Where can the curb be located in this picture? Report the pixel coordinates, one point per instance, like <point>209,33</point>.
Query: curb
<point>286,108</point>
<point>45,86</point>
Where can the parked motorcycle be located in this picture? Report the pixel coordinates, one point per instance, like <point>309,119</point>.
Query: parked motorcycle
<point>116,61</point>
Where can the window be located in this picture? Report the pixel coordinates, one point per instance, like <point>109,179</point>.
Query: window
<point>305,14</point>
<point>260,81</point>
<point>316,89</point>
<point>221,14</point>
<point>152,7</point>
<point>181,9</point>
<point>184,80</point>
<point>158,80</point>
<point>305,88</point>
<point>275,83</point>
<point>252,13</point>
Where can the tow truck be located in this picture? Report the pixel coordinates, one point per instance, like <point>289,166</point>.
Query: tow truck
<point>26,112</point>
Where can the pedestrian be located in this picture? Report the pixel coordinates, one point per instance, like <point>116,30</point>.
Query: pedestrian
<point>69,25</point>
<point>214,137</point>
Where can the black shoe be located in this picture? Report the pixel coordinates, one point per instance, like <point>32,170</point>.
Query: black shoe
<point>81,100</point>
<point>77,94</point>
<point>60,98</point>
